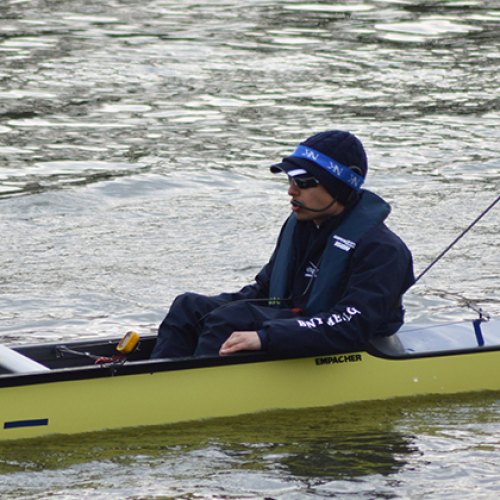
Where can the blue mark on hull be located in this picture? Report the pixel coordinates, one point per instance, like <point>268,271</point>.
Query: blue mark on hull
<point>26,423</point>
<point>478,332</point>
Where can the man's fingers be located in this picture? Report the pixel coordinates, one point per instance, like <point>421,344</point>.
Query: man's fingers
<point>232,344</point>
<point>241,341</point>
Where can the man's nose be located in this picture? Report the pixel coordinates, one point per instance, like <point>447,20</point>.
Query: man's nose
<point>293,189</point>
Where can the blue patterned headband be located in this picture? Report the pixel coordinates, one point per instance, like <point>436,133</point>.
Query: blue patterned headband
<point>333,167</point>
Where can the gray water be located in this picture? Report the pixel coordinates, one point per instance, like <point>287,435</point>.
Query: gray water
<point>135,141</point>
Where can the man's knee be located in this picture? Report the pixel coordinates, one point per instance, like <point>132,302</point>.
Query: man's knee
<point>188,300</point>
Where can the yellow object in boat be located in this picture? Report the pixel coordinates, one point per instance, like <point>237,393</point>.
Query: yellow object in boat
<point>128,343</point>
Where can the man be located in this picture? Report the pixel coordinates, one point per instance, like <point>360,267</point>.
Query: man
<point>334,282</point>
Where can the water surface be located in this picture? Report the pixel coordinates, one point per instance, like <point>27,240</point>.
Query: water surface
<point>135,140</point>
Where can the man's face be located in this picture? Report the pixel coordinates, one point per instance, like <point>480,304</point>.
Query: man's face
<point>311,201</point>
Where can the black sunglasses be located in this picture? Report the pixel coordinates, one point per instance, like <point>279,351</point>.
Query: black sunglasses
<point>303,182</point>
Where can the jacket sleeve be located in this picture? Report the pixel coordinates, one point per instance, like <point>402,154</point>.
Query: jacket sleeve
<point>378,275</point>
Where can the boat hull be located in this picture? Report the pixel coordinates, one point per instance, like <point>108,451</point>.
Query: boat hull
<point>150,395</point>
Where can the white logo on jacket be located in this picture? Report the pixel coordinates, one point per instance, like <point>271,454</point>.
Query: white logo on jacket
<point>343,243</point>
<point>331,320</point>
<point>311,270</point>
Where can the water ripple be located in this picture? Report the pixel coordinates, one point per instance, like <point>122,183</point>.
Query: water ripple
<point>134,151</point>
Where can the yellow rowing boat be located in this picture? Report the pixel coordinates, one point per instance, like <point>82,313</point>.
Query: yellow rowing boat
<point>58,388</point>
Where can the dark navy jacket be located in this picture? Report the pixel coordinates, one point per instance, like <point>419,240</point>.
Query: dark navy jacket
<point>368,303</point>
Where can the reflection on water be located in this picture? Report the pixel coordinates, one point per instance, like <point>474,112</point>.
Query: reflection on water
<point>134,144</point>
<point>348,449</point>
<point>349,456</point>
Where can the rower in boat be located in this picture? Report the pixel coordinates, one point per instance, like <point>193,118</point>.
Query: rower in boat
<point>120,376</point>
<point>334,283</point>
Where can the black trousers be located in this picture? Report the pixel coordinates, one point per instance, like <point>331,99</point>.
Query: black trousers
<point>198,325</point>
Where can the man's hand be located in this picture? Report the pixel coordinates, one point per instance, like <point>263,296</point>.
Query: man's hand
<point>241,341</point>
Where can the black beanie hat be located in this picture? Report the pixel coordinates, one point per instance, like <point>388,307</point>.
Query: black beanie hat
<point>340,146</point>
